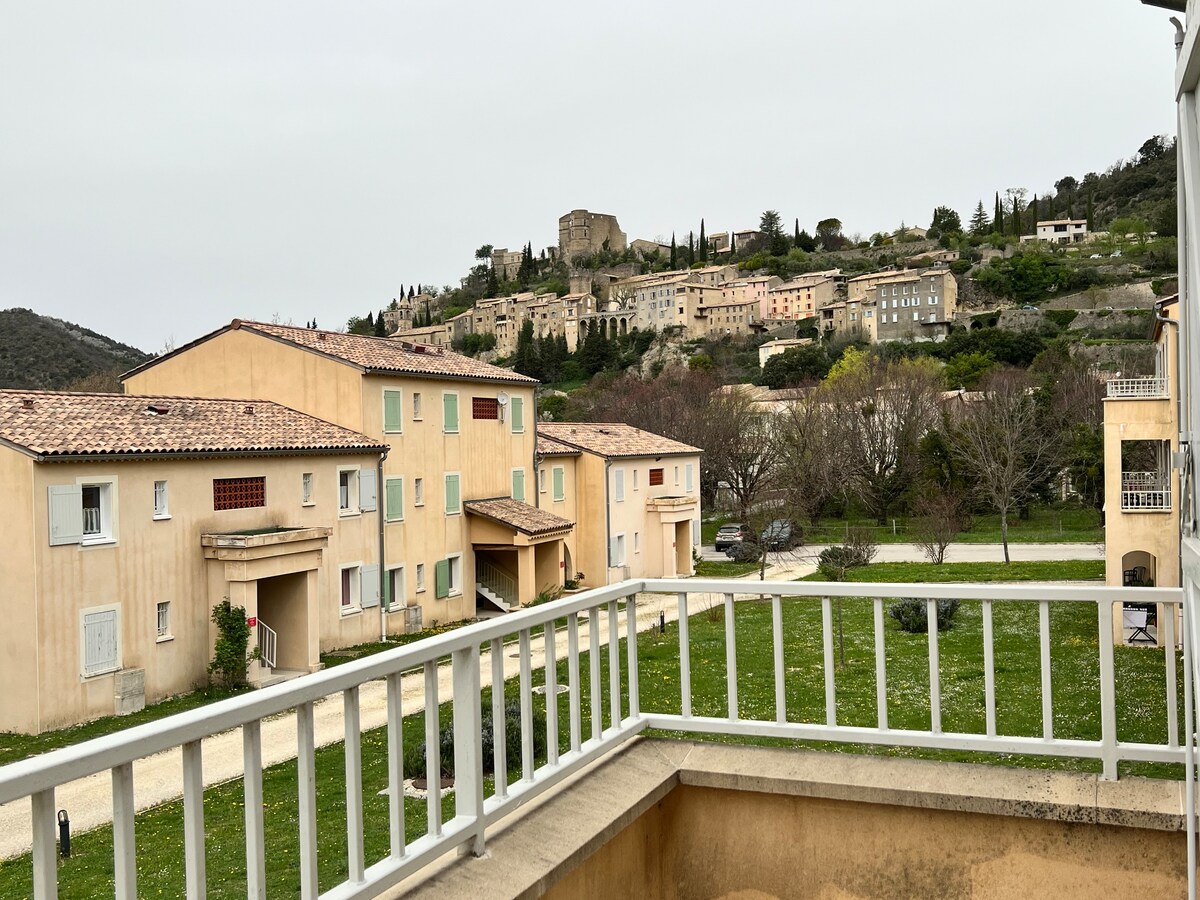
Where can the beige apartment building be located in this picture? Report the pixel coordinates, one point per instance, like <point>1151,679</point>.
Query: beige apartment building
<point>457,431</point>
<point>802,297</point>
<point>862,287</point>
<point>757,288</point>
<point>132,517</point>
<point>918,305</point>
<point>635,497</point>
<point>1141,486</point>
<point>849,318</point>
<point>732,319</point>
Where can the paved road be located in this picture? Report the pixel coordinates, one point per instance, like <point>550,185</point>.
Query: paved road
<point>158,779</point>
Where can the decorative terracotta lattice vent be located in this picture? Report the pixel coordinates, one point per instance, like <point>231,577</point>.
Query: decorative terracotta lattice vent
<point>239,493</point>
<point>485,408</point>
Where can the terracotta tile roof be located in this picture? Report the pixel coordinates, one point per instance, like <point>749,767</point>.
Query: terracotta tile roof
<point>373,354</point>
<point>547,446</point>
<point>613,439</point>
<point>57,424</point>
<point>521,516</point>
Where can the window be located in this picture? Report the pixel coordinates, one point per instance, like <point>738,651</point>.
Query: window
<point>164,619</point>
<point>160,500</point>
<point>635,479</point>
<point>618,485</point>
<point>617,551</point>
<point>484,408</point>
<point>420,577</point>
<point>453,506</point>
<point>542,480</point>
<point>418,492</point>
<point>416,406</point>
<point>351,592</point>
<point>82,513</point>
<point>450,413</point>
<point>394,595</point>
<point>916,315</point>
<point>677,476</point>
<point>637,542</point>
<point>101,640</point>
<point>347,491</point>
<point>239,493</point>
<point>393,490</point>
<point>393,412</point>
<point>455,570</point>
<point>306,489</point>
<point>560,492</point>
<point>688,476</point>
<point>656,477</point>
<point>518,484</point>
<point>517,405</point>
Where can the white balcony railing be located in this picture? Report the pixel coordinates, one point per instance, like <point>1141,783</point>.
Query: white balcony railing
<point>1138,387</point>
<point>1146,501</point>
<point>595,623</point>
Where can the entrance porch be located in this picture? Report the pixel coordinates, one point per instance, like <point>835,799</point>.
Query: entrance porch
<point>520,551</point>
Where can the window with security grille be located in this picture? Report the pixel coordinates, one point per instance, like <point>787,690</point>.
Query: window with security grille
<point>239,493</point>
<point>485,408</point>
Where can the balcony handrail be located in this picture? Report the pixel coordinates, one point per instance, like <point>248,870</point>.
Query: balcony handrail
<point>473,813</point>
<point>1155,499</point>
<point>1148,386</point>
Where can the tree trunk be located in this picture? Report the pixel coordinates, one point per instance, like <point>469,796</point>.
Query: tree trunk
<point>1004,534</point>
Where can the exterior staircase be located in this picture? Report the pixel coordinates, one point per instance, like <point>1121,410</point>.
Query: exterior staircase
<point>494,587</point>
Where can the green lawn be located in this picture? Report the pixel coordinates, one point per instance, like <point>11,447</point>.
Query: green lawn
<point>907,572</point>
<point>708,569</point>
<point>1140,705</point>
<point>1068,524</point>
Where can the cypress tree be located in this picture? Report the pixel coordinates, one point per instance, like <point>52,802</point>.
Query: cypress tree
<point>703,244</point>
<point>674,251</point>
<point>796,238</point>
<point>998,217</point>
<point>410,291</point>
<point>428,315</point>
<point>380,325</point>
<point>732,243</point>
<point>691,248</point>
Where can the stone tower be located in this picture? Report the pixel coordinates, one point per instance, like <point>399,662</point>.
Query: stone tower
<point>399,319</point>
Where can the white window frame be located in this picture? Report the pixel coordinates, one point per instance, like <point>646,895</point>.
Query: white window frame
<point>114,608</point>
<point>417,414</point>
<point>162,621</point>
<point>541,479</point>
<point>420,576</point>
<point>418,492</point>
<point>455,567</point>
<point>383,410</point>
<point>637,542</point>
<point>445,479</point>
<point>677,476</point>
<point>306,490</point>
<point>108,510</point>
<point>619,556</point>
<point>635,478</point>
<point>355,604</point>
<point>351,492</point>
<point>162,506</point>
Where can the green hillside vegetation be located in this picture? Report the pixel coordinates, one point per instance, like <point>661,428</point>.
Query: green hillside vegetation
<point>43,353</point>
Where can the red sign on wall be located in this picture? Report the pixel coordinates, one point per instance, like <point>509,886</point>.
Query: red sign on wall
<point>252,621</point>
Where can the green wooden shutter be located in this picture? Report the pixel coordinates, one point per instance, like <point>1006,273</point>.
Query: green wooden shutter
<point>441,579</point>
<point>518,414</point>
<point>518,479</point>
<point>452,494</point>
<point>387,588</point>
<point>395,499</point>
<point>559,490</point>
<point>450,412</point>
<point>392,411</point>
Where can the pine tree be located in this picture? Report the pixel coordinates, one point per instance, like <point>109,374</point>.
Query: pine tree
<point>998,218</point>
<point>674,251</point>
<point>703,244</point>
<point>979,220</point>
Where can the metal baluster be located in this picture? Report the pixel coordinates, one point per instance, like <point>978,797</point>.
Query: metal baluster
<point>549,635</point>
<point>575,718</point>
<point>614,664</point>
<point>1108,691</point>
<point>527,760</point>
<point>777,640</point>
<point>45,859</point>
<point>731,686</point>
<point>306,777</point>
<point>595,688</point>
<point>1166,616</point>
<point>395,738</point>
<point>252,800</point>
<point>354,798</point>
<point>827,642</point>
<point>989,670</point>
<point>1047,690</point>
<point>631,646</point>
<point>499,721</point>
<point>468,742</point>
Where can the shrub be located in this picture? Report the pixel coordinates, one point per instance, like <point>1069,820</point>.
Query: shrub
<point>912,615</point>
<point>230,658</point>
<point>414,755</point>
<point>747,550</point>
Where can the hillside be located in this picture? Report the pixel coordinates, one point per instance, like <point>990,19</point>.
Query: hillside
<point>45,353</point>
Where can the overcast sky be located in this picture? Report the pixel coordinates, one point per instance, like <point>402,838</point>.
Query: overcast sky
<point>166,167</point>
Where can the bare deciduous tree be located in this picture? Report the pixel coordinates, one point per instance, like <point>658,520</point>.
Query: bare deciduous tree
<point>941,515</point>
<point>810,470</point>
<point>1003,443</point>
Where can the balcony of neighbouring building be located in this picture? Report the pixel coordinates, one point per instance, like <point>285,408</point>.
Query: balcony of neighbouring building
<point>1152,387</point>
<point>1145,491</point>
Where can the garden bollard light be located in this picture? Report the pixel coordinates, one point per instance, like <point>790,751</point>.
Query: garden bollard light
<point>64,833</point>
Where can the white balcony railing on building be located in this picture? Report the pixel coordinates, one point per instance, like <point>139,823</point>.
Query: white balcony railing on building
<point>91,520</point>
<point>596,622</point>
<point>1138,387</point>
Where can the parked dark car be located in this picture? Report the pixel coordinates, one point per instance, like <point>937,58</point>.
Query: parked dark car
<point>728,535</point>
<point>780,534</point>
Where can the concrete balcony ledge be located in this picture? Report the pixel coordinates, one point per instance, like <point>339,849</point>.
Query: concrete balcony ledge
<point>551,846</point>
<point>264,537</point>
<point>669,502</point>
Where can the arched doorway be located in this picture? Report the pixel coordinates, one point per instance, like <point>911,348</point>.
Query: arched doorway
<point>1139,622</point>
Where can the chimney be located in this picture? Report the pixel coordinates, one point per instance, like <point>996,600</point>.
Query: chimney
<point>26,403</point>
<point>320,335</point>
<point>249,410</point>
